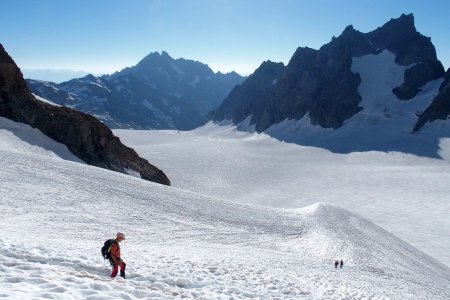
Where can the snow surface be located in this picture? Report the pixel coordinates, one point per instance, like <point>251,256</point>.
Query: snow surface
<point>56,214</point>
<point>45,100</point>
<point>379,75</point>
<point>403,193</point>
<point>22,138</point>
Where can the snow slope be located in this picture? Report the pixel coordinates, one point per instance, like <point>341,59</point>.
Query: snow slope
<point>19,137</point>
<point>180,244</point>
<point>403,193</point>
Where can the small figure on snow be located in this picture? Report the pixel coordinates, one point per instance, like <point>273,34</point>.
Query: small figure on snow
<point>341,264</point>
<point>115,259</point>
<point>336,263</point>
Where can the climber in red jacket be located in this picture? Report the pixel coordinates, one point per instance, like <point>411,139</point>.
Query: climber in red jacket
<point>115,259</point>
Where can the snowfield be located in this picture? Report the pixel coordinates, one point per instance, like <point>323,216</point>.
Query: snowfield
<point>405,194</point>
<point>56,214</point>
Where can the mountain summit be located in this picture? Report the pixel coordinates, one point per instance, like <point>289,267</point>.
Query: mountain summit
<point>158,93</point>
<point>389,75</point>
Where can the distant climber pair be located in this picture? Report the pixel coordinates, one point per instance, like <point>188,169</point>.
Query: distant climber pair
<point>338,263</point>
<point>111,251</point>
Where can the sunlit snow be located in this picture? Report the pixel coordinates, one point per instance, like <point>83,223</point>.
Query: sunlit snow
<point>56,214</point>
<point>403,193</point>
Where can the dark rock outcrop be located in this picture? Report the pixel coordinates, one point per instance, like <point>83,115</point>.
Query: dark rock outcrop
<point>158,93</point>
<point>439,108</point>
<point>320,83</point>
<point>243,99</point>
<point>401,37</point>
<point>411,48</point>
<point>417,76</point>
<point>83,135</point>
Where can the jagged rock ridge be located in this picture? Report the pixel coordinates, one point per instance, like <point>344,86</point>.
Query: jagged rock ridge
<point>321,84</point>
<point>83,135</point>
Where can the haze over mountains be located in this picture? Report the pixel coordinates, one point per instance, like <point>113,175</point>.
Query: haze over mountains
<point>158,93</point>
<point>53,75</point>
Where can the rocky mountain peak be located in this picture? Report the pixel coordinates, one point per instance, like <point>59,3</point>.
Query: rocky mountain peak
<point>401,29</point>
<point>156,55</point>
<point>157,93</point>
<point>403,24</point>
<point>401,37</point>
<point>349,30</point>
<point>322,87</point>
<point>89,77</point>
<point>301,57</point>
<point>243,100</point>
<point>152,60</point>
<point>268,67</point>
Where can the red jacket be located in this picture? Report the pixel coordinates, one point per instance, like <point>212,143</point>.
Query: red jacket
<point>115,251</point>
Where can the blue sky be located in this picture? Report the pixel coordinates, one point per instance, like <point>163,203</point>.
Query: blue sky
<point>102,36</point>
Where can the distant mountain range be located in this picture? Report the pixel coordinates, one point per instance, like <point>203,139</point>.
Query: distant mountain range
<point>361,91</point>
<point>84,136</point>
<point>158,93</point>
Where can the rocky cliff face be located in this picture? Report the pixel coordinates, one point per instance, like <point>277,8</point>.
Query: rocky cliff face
<point>244,99</point>
<point>320,83</point>
<point>83,135</point>
<point>158,93</point>
<point>439,108</point>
